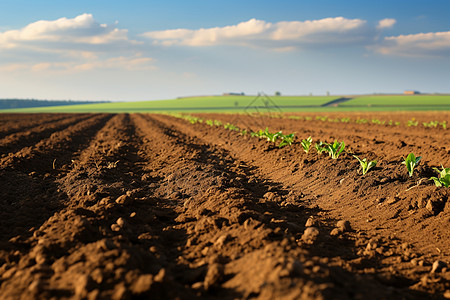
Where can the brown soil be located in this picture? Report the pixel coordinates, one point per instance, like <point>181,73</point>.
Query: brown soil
<point>150,206</point>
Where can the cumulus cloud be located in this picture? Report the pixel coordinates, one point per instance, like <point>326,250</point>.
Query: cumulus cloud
<point>80,43</point>
<point>82,29</point>
<point>278,36</point>
<point>430,44</point>
<point>386,23</point>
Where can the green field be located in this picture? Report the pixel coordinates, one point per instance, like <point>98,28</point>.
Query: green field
<point>248,103</point>
<point>400,100</point>
<point>193,104</point>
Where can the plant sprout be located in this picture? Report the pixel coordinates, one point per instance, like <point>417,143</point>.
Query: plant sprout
<point>334,149</point>
<point>444,177</point>
<point>365,165</point>
<point>287,139</point>
<point>320,147</point>
<point>306,144</point>
<point>411,162</point>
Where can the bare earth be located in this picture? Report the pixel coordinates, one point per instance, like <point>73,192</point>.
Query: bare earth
<point>149,206</point>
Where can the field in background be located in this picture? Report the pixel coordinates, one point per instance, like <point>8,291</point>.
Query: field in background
<point>248,103</point>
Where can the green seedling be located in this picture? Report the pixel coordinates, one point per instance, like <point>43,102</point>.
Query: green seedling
<point>286,140</point>
<point>334,149</point>
<point>366,165</point>
<point>411,162</point>
<point>320,147</point>
<point>430,124</point>
<point>209,122</point>
<point>254,134</point>
<point>259,133</point>
<point>306,144</point>
<point>412,122</point>
<point>444,177</point>
<point>231,127</point>
<point>272,137</point>
<point>378,122</point>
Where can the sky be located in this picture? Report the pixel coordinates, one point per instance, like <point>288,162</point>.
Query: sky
<point>146,50</point>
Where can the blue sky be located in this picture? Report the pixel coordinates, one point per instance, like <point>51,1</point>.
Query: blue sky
<point>144,50</point>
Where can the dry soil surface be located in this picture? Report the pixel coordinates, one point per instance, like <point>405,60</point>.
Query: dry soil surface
<point>150,206</point>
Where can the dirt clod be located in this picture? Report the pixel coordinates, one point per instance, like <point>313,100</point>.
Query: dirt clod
<point>310,234</point>
<point>438,265</point>
<point>343,225</point>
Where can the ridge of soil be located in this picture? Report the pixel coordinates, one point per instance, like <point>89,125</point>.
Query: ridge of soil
<point>149,206</point>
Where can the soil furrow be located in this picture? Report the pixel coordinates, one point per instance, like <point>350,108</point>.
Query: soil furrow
<point>100,231</point>
<point>54,151</point>
<point>16,141</point>
<point>25,122</point>
<point>28,193</point>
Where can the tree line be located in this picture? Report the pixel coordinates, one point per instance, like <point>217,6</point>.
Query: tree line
<point>27,103</point>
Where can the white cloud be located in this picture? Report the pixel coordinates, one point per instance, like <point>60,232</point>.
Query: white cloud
<point>82,29</point>
<point>74,44</point>
<point>258,33</point>
<point>386,23</point>
<point>432,44</point>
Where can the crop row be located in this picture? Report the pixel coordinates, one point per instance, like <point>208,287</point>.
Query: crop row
<point>410,123</point>
<point>333,149</point>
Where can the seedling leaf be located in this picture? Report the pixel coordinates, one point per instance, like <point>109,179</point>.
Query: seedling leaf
<point>444,177</point>
<point>411,162</point>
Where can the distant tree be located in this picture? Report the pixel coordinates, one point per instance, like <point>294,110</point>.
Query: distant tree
<point>328,93</point>
<point>277,93</point>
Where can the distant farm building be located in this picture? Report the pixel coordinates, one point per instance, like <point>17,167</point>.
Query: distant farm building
<point>411,92</point>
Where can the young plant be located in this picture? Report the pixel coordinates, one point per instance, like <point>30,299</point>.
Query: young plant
<point>320,147</point>
<point>444,177</point>
<point>412,122</point>
<point>306,144</point>
<point>286,140</point>
<point>256,133</point>
<point>231,127</point>
<point>271,137</point>
<point>411,162</point>
<point>365,165</point>
<point>430,124</point>
<point>335,149</point>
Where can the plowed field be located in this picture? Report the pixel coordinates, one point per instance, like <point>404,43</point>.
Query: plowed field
<point>152,207</point>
